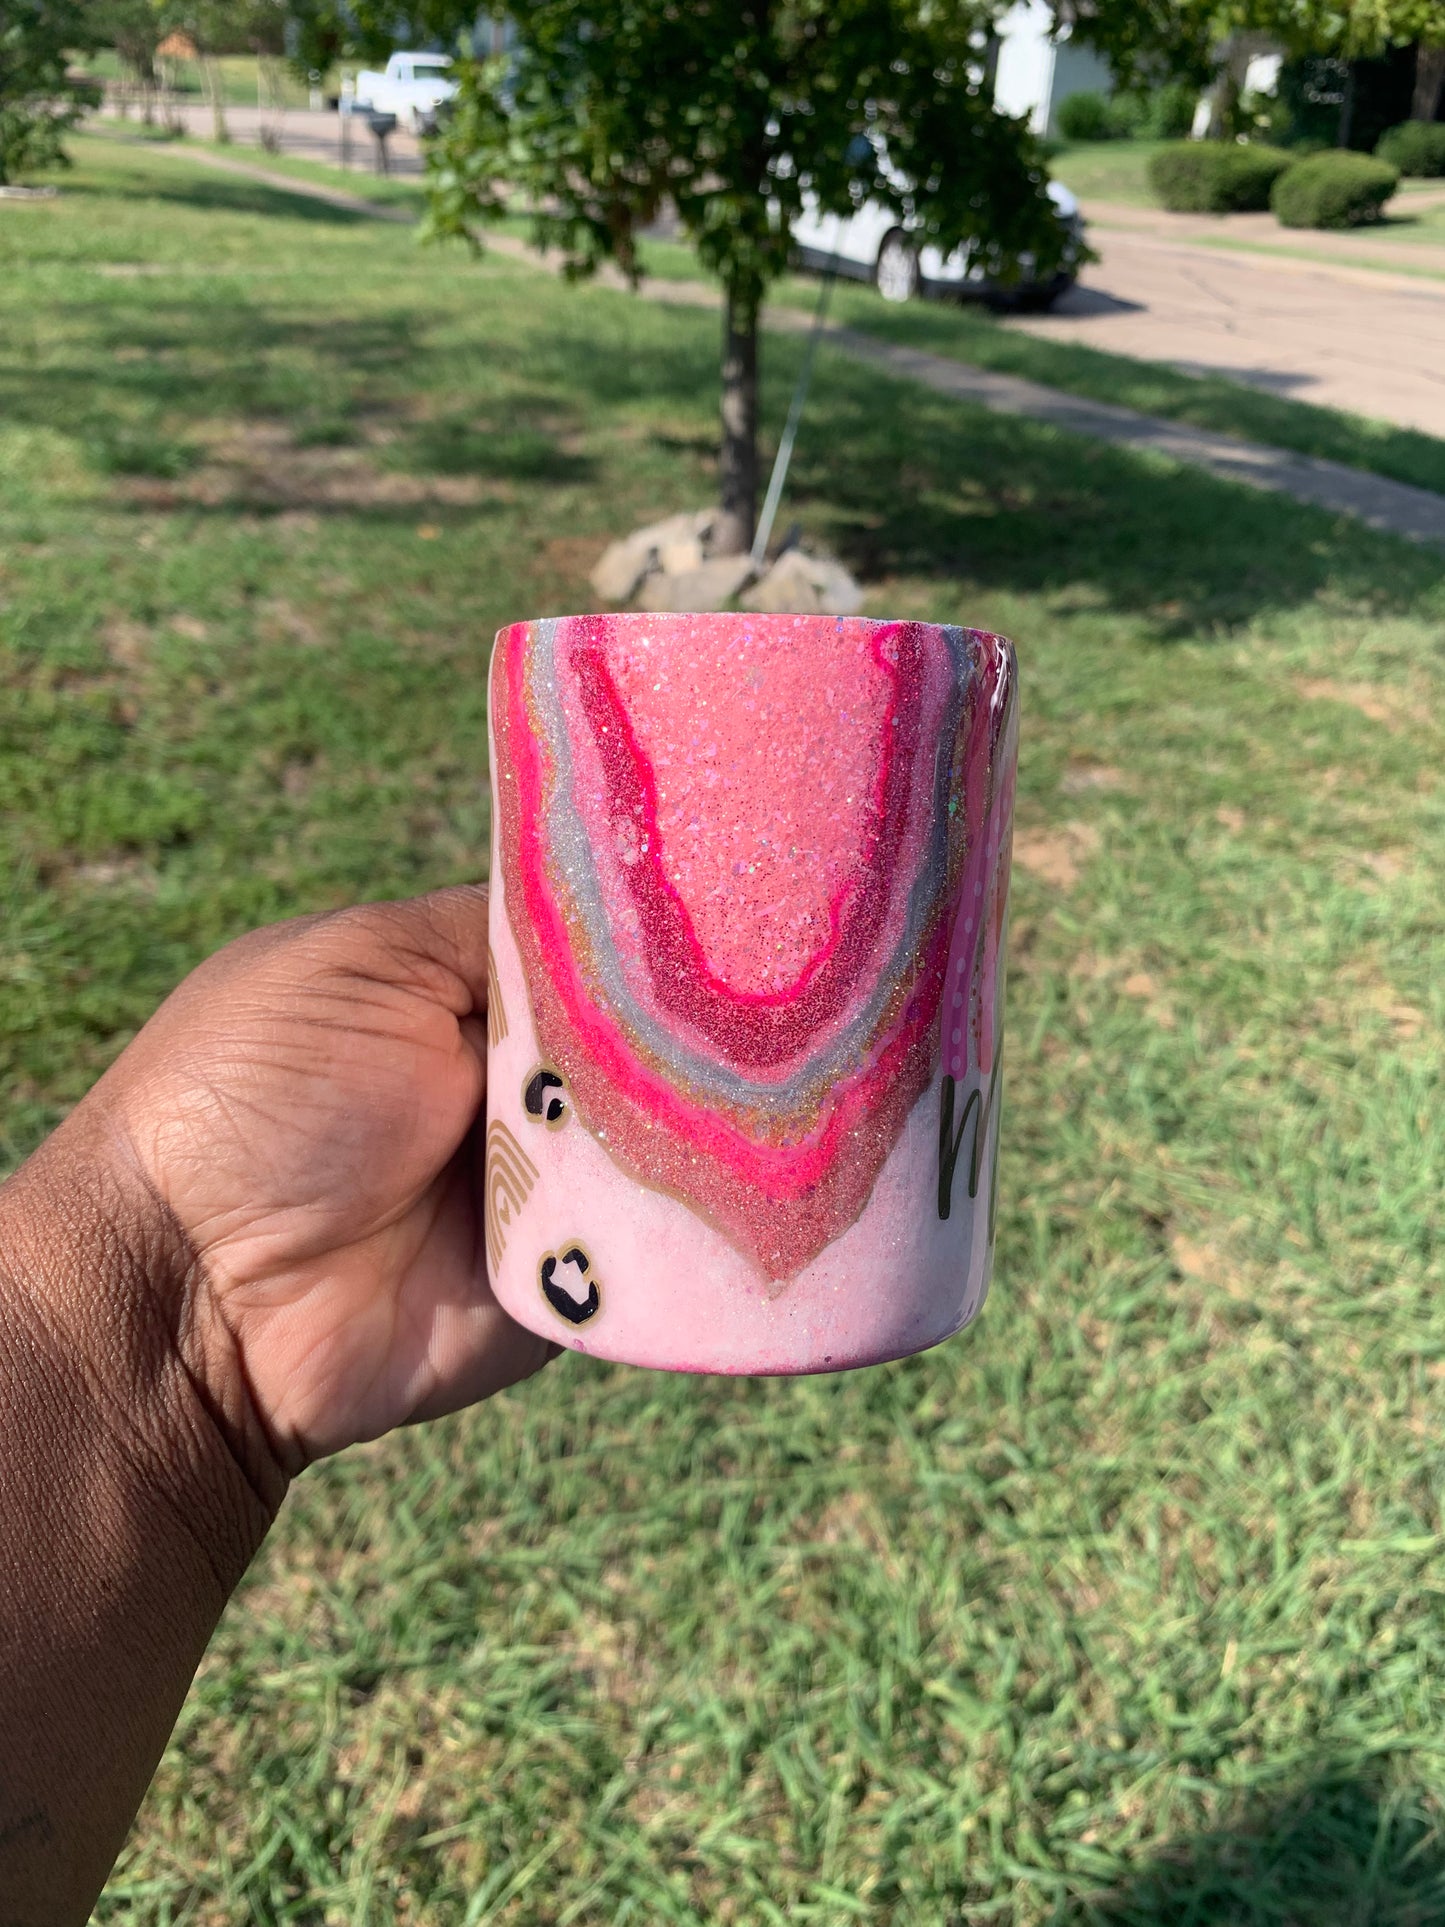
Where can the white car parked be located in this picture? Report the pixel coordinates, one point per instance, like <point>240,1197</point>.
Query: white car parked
<point>412,88</point>
<point>873,245</point>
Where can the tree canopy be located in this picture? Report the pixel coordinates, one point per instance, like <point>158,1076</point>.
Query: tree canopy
<point>37,99</point>
<point>322,31</point>
<point>732,112</point>
<point>133,27</point>
<point>1146,39</point>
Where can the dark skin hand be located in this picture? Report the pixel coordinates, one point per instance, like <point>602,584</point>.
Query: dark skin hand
<point>256,1241</point>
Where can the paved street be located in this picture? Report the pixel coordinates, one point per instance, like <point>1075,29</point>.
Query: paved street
<point>310,137</point>
<point>1347,337</point>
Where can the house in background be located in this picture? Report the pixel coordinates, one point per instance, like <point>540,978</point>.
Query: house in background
<point>1033,72</point>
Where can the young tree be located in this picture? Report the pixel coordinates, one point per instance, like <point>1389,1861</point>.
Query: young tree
<point>733,110</point>
<point>1420,23</point>
<point>320,32</point>
<point>1212,40</point>
<point>133,28</point>
<point>316,36</point>
<point>38,102</point>
<point>215,27</point>
<point>1429,80</point>
<point>1207,42</point>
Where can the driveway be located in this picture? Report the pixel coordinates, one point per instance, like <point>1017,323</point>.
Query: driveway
<point>1368,341</point>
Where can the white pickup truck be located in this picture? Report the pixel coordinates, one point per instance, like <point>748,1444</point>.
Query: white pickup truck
<point>412,88</point>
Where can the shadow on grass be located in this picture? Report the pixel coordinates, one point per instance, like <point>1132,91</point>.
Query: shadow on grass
<point>914,484</point>
<point>1341,1850</point>
<point>241,334</point>
<point>220,193</point>
<point>515,449</point>
<point>905,483</point>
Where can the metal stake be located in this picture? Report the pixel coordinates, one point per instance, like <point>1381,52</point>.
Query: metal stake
<point>795,416</point>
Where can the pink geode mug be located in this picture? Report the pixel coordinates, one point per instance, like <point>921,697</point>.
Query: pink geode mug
<point>749,889</point>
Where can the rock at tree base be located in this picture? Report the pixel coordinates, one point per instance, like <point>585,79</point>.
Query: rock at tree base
<point>710,586</point>
<point>623,565</point>
<point>805,585</point>
<point>670,566</point>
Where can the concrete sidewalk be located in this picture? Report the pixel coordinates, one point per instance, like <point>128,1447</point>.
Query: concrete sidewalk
<point>1393,507</point>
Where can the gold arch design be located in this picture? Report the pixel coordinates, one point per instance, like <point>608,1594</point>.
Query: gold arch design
<point>496,1009</point>
<point>510,1176</point>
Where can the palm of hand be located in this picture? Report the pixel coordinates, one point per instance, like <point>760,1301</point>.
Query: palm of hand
<point>306,1106</point>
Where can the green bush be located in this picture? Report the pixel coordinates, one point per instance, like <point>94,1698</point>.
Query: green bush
<point>1337,189</point>
<point>1216,177</point>
<point>1085,117</point>
<point>1127,114</point>
<point>1415,147</point>
<point>1167,113</point>
<point>1164,114</point>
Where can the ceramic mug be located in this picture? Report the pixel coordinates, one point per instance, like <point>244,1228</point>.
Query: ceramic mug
<point>749,890</point>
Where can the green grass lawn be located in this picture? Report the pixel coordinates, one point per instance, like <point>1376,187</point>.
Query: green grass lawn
<point>1106,170</point>
<point>974,335</point>
<point>1417,212</point>
<point>1119,171</point>
<point>359,179</point>
<point>1124,1608</point>
<point>1421,267</point>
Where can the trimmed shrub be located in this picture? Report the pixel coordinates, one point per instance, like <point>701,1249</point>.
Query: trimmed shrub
<point>1167,113</point>
<point>1126,116</point>
<point>1085,117</point>
<point>1337,189</point>
<point>1416,147</point>
<point>1216,177</point>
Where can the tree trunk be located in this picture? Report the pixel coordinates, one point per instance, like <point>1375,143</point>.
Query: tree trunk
<point>1223,103</point>
<point>1228,89</point>
<point>1347,107</point>
<point>1429,79</point>
<point>221,132</point>
<point>738,469</point>
<point>270,84</point>
<point>1228,85</point>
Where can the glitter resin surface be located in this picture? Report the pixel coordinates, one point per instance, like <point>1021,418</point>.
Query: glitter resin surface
<point>749,890</point>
